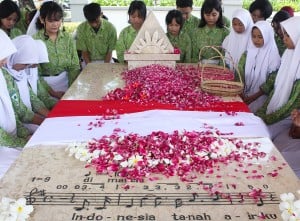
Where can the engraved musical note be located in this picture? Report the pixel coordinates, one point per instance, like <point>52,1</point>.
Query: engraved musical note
<point>85,204</point>
<point>107,200</point>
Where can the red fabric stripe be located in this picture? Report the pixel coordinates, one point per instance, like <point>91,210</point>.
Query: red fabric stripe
<point>95,107</point>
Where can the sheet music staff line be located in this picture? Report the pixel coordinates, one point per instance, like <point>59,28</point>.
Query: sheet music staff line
<point>103,200</point>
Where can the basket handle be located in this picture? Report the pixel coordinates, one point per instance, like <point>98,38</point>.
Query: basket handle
<point>221,57</point>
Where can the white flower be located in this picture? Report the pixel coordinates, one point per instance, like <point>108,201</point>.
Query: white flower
<point>20,210</point>
<point>124,164</point>
<point>133,160</point>
<point>153,163</point>
<point>223,147</point>
<point>11,210</point>
<point>117,157</point>
<point>290,208</point>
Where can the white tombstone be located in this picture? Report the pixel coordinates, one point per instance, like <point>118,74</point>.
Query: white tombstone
<point>151,46</point>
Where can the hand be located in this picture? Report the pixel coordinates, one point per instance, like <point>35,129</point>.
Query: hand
<point>294,132</point>
<point>295,115</point>
<point>58,94</point>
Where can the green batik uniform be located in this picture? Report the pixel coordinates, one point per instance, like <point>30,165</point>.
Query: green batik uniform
<point>9,140</point>
<point>62,56</point>
<point>183,42</point>
<point>124,42</point>
<point>98,44</point>
<point>190,25</point>
<point>206,36</point>
<point>22,112</point>
<point>44,95</point>
<point>284,111</point>
<point>14,32</point>
<point>280,45</point>
<point>21,24</point>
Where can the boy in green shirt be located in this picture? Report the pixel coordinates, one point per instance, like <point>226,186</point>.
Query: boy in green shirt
<point>96,37</point>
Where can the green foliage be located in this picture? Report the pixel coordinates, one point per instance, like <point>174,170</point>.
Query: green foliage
<point>277,4</point>
<point>70,26</point>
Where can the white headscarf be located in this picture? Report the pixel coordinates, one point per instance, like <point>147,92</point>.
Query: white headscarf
<point>26,54</point>
<point>32,73</point>
<point>236,43</point>
<point>261,61</point>
<point>7,114</point>
<point>31,30</point>
<point>289,70</point>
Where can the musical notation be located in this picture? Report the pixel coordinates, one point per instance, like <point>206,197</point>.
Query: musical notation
<point>100,201</point>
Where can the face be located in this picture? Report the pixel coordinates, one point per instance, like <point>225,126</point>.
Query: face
<point>277,29</point>
<point>96,23</point>
<point>173,27</point>
<point>186,12</point>
<point>3,62</point>
<point>211,18</point>
<point>288,41</point>
<point>52,25</point>
<point>136,21</point>
<point>257,16</point>
<point>238,26</point>
<point>9,22</point>
<point>19,67</point>
<point>257,38</point>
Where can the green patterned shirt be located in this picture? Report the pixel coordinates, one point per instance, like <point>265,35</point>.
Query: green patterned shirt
<point>280,45</point>
<point>62,56</point>
<point>124,42</point>
<point>206,36</point>
<point>9,140</point>
<point>183,42</point>
<point>44,95</point>
<point>23,113</point>
<point>284,111</point>
<point>97,44</point>
<point>190,25</point>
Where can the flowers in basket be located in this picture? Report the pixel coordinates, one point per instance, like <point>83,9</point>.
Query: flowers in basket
<point>14,210</point>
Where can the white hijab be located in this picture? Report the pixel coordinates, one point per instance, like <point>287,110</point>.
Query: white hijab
<point>26,54</point>
<point>289,70</point>
<point>32,73</point>
<point>236,43</point>
<point>7,114</point>
<point>261,61</point>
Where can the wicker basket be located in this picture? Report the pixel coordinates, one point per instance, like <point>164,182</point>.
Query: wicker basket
<point>218,79</point>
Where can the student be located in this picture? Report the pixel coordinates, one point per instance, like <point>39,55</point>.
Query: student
<point>191,22</point>
<point>63,67</point>
<point>260,10</point>
<point>137,14</point>
<point>238,39</point>
<point>96,38</point>
<point>12,132</point>
<point>261,60</point>
<point>211,32</point>
<point>25,56</point>
<point>279,17</point>
<point>34,79</point>
<point>9,16</point>
<point>283,89</point>
<point>178,39</point>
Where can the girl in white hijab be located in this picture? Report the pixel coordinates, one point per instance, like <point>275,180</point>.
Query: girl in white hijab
<point>238,39</point>
<point>25,56</point>
<point>262,59</point>
<point>33,76</point>
<point>10,126</point>
<point>285,95</point>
